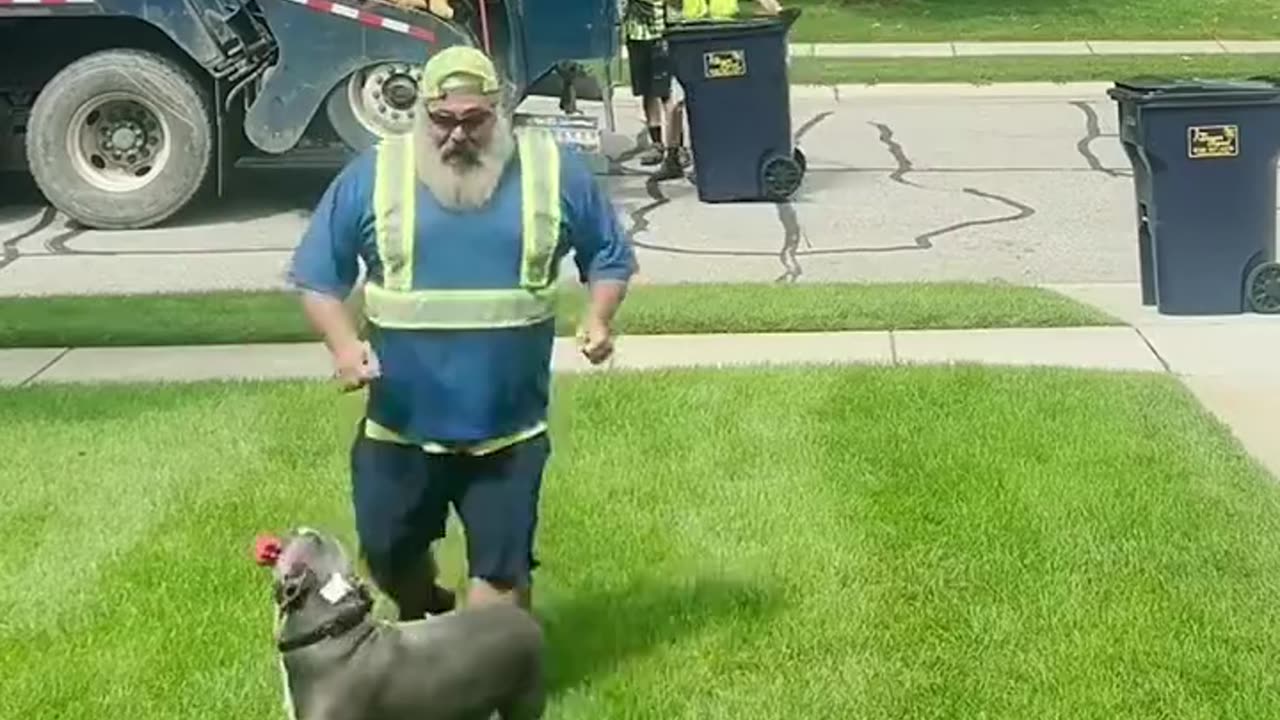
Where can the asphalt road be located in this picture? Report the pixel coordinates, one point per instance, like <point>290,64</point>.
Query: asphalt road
<point>1028,185</point>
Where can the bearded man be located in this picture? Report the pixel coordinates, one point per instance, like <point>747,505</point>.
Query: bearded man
<point>461,226</point>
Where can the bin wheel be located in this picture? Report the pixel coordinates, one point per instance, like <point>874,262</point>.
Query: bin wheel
<point>1263,288</point>
<point>781,176</point>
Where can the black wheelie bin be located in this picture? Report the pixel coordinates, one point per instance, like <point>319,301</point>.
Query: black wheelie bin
<point>738,98</point>
<point>1204,170</point>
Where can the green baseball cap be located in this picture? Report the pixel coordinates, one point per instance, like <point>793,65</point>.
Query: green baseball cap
<point>458,69</point>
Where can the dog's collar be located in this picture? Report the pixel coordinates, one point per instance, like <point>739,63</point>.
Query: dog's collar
<point>344,621</point>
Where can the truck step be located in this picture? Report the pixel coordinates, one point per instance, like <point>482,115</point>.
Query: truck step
<point>313,158</point>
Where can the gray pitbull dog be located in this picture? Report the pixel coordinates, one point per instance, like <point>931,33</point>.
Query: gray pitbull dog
<point>340,663</point>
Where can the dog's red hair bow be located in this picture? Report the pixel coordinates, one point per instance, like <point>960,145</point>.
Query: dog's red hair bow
<point>266,550</point>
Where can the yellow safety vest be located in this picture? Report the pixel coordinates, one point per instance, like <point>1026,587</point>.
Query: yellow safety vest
<point>714,9</point>
<point>394,303</point>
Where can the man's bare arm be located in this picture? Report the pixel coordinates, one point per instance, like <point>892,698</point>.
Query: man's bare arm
<point>329,317</point>
<point>606,298</point>
<point>354,361</point>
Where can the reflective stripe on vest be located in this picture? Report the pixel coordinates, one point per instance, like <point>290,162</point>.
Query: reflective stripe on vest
<point>716,9</point>
<point>395,304</point>
<point>381,433</point>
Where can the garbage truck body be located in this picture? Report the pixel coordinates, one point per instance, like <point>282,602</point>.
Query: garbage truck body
<point>123,111</point>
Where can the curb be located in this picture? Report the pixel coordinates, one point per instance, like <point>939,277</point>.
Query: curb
<point>1115,348</point>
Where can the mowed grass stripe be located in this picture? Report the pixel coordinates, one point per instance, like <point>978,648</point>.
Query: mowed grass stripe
<point>261,317</point>
<point>1030,68</point>
<point>978,20</point>
<point>864,542</point>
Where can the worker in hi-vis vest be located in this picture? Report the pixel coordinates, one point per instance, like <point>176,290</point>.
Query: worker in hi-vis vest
<point>461,226</point>
<point>673,163</point>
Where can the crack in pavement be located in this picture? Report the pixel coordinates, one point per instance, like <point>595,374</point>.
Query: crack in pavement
<point>9,253</point>
<point>1093,131</point>
<point>899,155</point>
<point>639,216</point>
<point>812,122</point>
<point>792,233</point>
<point>925,241</point>
<point>57,244</point>
<point>615,164</point>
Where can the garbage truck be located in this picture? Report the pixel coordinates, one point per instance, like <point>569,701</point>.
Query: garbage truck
<point>124,111</point>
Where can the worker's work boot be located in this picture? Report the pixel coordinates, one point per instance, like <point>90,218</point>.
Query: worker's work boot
<point>415,590</point>
<point>671,168</point>
<point>654,155</point>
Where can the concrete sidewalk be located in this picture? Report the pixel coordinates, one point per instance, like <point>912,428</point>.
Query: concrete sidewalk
<point>1231,363</point>
<point>1113,348</point>
<point>1242,349</point>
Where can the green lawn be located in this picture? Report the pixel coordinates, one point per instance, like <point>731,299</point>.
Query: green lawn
<point>974,20</point>
<point>1011,68</point>
<point>861,543</point>
<point>242,317</point>
<point>982,70</point>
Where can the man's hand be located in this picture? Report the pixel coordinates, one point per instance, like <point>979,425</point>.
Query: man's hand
<point>355,364</point>
<point>595,340</point>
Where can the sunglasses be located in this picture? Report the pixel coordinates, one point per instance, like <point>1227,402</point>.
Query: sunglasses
<point>469,122</point>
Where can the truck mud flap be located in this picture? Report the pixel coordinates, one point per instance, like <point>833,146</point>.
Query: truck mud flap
<point>320,44</point>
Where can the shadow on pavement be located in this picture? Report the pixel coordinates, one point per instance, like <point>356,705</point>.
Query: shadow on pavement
<point>252,195</point>
<point>247,195</point>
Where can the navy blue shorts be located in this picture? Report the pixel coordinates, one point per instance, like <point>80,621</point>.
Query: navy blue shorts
<point>402,496</point>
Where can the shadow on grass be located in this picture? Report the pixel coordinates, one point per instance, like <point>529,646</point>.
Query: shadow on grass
<point>592,635</point>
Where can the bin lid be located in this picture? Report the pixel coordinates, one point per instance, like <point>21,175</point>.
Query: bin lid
<point>687,30</point>
<point>1154,89</point>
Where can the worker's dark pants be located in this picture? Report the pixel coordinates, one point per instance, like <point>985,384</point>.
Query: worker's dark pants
<point>651,69</point>
<point>402,497</point>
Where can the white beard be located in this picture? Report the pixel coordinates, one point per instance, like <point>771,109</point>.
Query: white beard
<point>468,187</point>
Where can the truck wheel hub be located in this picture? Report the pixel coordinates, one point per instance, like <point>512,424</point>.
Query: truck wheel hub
<point>117,143</point>
<point>382,97</point>
<point>401,92</point>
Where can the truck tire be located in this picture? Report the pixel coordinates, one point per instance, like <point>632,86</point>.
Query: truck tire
<point>358,108</point>
<point>121,139</point>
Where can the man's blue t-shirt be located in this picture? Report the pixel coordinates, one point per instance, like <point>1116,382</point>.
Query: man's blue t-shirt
<point>460,386</point>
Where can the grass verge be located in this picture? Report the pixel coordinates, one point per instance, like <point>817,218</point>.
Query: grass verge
<point>259,317</point>
<point>983,70</point>
<point>865,542</point>
<point>975,20</point>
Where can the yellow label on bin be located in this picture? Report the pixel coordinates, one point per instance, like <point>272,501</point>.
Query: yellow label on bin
<point>1213,141</point>
<point>724,64</point>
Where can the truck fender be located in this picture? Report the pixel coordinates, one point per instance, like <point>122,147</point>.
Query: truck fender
<point>174,19</point>
<point>319,47</point>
